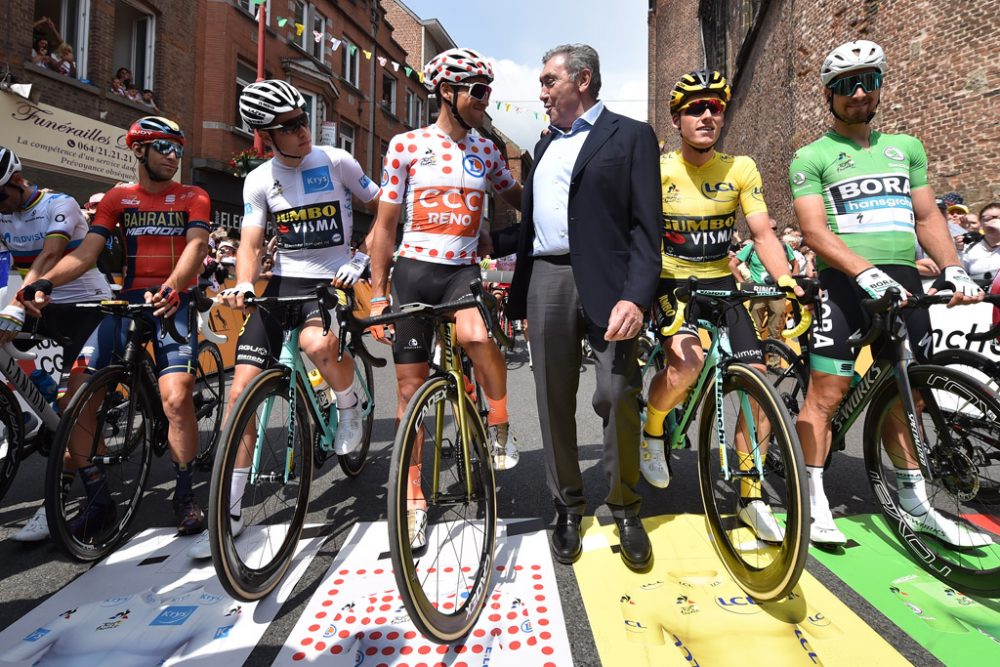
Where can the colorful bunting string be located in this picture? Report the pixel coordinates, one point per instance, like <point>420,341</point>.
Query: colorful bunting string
<point>508,107</point>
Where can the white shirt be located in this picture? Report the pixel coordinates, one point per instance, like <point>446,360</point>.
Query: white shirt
<point>980,259</point>
<point>551,181</point>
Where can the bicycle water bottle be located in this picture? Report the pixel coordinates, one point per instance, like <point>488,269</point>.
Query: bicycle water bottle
<point>46,385</point>
<point>321,387</point>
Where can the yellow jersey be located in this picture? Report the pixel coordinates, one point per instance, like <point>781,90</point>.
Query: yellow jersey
<point>699,211</point>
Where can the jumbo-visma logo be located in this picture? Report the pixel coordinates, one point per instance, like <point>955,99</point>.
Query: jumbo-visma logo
<point>474,166</point>
<point>316,180</point>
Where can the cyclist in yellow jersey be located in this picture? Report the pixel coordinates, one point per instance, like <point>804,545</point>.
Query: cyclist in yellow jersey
<point>702,189</point>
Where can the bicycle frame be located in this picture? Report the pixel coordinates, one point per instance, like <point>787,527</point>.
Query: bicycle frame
<point>26,388</point>
<point>451,367</point>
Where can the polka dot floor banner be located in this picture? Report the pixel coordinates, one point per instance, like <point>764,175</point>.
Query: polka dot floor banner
<point>356,616</point>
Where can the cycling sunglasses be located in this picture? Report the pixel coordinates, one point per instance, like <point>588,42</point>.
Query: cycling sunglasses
<point>698,107</point>
<point>477,91</point>
<point>166,147</point>
<point>869,81</point>
<point>292,125</point>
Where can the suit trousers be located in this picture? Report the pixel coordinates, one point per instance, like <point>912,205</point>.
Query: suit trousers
<point>558,324</point>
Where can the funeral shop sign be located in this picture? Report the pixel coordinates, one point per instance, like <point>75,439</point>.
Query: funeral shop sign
<point>67,141</point>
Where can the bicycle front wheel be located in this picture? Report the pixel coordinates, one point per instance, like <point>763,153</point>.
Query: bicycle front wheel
<point>758,517</point>
<point>364,386</point>
<point>209,400</point>
<point>442,511</point>
<point>264,448</point>
<point>110,423</point>
<point>952,534</point>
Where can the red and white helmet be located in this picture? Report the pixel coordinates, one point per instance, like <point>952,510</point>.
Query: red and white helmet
<point>850,57</point>
<point>455,66</point>
<point>151,128</point>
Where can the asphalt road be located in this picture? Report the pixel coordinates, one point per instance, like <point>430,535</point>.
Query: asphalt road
<point>33,572</point>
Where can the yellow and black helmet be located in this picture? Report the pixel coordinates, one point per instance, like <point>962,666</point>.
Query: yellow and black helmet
<point>695,82</point>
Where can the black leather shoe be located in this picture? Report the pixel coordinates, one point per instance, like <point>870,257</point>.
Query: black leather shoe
<point>635,548</point>
<point>566,542</point>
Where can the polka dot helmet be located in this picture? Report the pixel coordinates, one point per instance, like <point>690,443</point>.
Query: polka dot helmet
<point>455,66</point>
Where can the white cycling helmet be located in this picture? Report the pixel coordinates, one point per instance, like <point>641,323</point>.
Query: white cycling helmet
<point>850,57</point>
<point>10,164</point>
<point>455,66</point>
<point>262,102</point>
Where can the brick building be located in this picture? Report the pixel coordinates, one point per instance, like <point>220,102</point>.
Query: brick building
<point>942,86</point>
<point>71,134</point>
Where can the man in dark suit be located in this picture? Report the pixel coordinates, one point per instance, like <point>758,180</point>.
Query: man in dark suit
<point>588,253</point>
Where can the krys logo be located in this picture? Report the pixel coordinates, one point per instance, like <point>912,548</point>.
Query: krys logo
<point>474,166</point>
<point>317,180</point>
<point>174,615</point>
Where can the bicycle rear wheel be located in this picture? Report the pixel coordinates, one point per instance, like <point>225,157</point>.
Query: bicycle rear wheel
<point>445,583</point>
<point>751,412</point>
<point>112,418</point>
<point>267,440</point>
<point>790,376</point>
<point>975,365</point>
<point>11,436</point>
<point>364,384</point>
<point>959,420</point>
<point>209,400</point>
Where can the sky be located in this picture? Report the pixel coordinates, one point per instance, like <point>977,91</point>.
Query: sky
<point>516,33</point>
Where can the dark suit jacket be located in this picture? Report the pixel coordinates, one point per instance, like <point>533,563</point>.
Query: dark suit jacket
<point>615,220</point>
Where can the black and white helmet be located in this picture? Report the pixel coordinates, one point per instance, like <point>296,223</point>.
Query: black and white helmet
<point>850,57</point>
<point>10,164</point>
<point>262,102</point>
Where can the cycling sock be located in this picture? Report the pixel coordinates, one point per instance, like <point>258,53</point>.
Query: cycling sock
<point>347,398</point>
<point>749,488</point>
<point>498,412</point>
<point>236,487</point>
<point>183,473</point>
<point>654,421</point>
<point>912,491</point>
<point>817,496</point>
<point>95,485</point>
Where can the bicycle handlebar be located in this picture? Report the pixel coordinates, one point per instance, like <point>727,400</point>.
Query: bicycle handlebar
<point>881,307</point>
<point>121,308</point>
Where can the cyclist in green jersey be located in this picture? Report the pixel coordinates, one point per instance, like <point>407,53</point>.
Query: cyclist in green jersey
<point>862,200</point>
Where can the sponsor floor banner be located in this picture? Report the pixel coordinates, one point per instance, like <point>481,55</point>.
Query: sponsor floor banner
<point>356,616</point>
<point>148,604</point>
<point>687,610</point>
<point>955,628</point>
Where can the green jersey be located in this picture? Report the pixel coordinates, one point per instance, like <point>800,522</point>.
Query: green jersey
<point>866,191</point>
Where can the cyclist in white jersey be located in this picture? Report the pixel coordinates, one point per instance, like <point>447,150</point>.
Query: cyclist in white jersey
<point>306,190</point>
<point>441,173</point>
<point>38,227</point>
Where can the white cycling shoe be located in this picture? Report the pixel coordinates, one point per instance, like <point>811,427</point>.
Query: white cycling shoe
<point>954,533</point>
<point>416,522</point>
<point>758,516</point>
<point>825,532</point>
<point>503,446</point>
<point>200,550</point>
<point>36,530</point>
<point>653,462</point>
<point>350,431</point>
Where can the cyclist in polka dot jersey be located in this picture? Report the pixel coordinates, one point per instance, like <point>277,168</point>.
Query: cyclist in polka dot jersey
<point>441,174</point>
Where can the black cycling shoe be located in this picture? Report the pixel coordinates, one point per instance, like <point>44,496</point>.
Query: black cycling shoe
<point>189,515</point>
<point>92,520</point>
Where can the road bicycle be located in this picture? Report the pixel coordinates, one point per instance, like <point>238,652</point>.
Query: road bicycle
<point>441,445</point>
<point>744,426</point>
<point>283,428</point>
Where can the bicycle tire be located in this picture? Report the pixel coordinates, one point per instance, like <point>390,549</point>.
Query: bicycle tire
<point>966,463</point>
<point>791,377</point>
<point>251,566</point>
<point>11,438</point>
<point>125,419</point>
<point>352,464</point>
<point>972,363</point>
<point>446,608</point>
<point>765,571</point>
<point>210,397</point>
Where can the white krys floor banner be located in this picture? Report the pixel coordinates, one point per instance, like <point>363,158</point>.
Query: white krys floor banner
<point>356,616</point>
<point>148,604</point>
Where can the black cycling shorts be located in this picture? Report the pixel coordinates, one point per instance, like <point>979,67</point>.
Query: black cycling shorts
<point>742,335</point>
<point>263,332</point>
<point>68,325</point>
<point>842,315</point>
<point>430,283</point>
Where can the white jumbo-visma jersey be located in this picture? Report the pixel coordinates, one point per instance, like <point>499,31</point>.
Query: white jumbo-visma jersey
<point>311,208</point>
<point>444,184</point>
<point>52,214</point>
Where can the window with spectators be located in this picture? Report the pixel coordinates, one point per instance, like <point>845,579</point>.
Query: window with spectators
<point>134,42</point>
<point>64,21</point>
<point>250,6</point>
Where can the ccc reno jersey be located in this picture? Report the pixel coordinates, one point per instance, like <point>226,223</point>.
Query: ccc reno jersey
<point>155,226</point>
<point>699,211</point>
<point>47,215</point>
<point>311,208</point>
<point>444,184</point>
<point>866,191</point>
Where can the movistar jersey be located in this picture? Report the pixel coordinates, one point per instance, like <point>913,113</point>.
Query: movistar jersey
<point>866,191</point>
<point>699,211</point>
<point>311,208</point>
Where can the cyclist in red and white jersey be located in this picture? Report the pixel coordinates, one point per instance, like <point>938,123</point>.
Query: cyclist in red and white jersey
<point>166,241</point>
<point>440,174</point>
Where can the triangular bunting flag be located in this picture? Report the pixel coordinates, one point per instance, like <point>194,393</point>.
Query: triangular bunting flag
<point>282,21</point>
<point>317,36</point>
<point>335,43</point>
<point>408,70</point>
<point>395,66</point>
<point>299,28</point>
<point>498,105</point>
<point>382,61</point>
<point>354,49</point>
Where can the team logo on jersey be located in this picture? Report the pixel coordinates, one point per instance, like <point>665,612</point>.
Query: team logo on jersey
<point>364,182</point>
<point>857,195</point>
<point>247,208</point>
<point>170,199</point>
<point>317,225</point>
<point>738,604</point>
<point>154,223</point>
<point>798,178</point>
<point>687,605</point>
<point>429,159</point>
<point>450,211</point>
<point>894,153</point>
<point>37,634</point>
<point>723,191</point>
<point>671,194</point>
<point>174,615</point>
<point>758,193</point>
<point>131,202</point>
<point>385,177</point>
<point>317,180</point>
<point>819,620</point>
<point>474,166</point>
